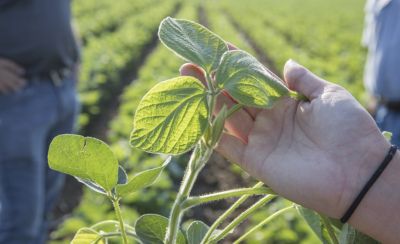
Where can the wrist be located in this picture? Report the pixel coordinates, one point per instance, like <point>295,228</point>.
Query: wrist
<point>379,213</point>
<point>369,155</point>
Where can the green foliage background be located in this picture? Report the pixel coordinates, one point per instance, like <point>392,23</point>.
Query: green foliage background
<point>119,37</point>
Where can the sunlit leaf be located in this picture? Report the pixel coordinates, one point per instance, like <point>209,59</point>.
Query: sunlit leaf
<point>87,236</point>
<point>171,117</point>
<point>84,157</point>
<point>193,42</point>
<point>248,81</point>
<point>151,229</point>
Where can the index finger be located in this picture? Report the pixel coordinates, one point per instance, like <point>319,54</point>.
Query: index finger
<point>12,66</point>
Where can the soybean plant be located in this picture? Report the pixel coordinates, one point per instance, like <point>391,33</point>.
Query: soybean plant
<point>176,116</point>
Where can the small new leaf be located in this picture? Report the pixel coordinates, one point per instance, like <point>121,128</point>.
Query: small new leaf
<point>87,236</point>
<point>218,126</point>
<point>388,135</point>
<point>192,42</point>
<point>84,157</point>
<point>171,117</point>
<point>315,223</point>
<point>142,180</point>
<point>248,81</point>
<point>151,229</point>
<point>122,176</point>
<point>196,232</point>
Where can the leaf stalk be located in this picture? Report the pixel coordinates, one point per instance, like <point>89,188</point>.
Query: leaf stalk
<point>228,212</point>
<point>194,201</point>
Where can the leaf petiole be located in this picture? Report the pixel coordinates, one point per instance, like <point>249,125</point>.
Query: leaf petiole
<point>194,201</point>
<point>262,223</point>
<point>221,218</point>
<point>239,219</point>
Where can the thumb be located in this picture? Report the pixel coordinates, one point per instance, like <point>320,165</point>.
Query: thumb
<point>301,80</point>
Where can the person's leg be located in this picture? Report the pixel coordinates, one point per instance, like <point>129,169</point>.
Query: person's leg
<point>388,120</point>
<point>25,118</point>
<point>68,109</point>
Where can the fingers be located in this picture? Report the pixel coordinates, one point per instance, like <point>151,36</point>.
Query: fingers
<point>10,76</point>
<point>231,148</point>
<point>9,82</point>
<point>302,80</point>
<point>11,66</point>
<point>189,69</point>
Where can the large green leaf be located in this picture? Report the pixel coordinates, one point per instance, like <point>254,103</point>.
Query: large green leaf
<point>349,235</point>
<point>84,157</point>
<point>196,232</point>
<point>87,236</point>
<point>142,180</point>
<point>151,229</point>
<point>248,81</point>
<point>315,222</point>
<point>171,117</point>
<point>193,42</point>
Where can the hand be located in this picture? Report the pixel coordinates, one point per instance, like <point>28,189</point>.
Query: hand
<point>318,153</point>
<point>11,79</point>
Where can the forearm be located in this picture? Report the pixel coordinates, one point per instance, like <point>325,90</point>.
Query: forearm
<point>378,214</point>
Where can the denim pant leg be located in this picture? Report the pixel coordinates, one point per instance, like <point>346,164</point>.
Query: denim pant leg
<point>27,120</point>
<point>388,120</point>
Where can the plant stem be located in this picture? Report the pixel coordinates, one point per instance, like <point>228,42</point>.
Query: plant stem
<point>329,228</point>
<point>212,98</point>
<point>193,201</point>
<point>262,223</point>
<point>199,157</point>
<point>221,218</point>
<point>239,219</point>
<point>115,202</point>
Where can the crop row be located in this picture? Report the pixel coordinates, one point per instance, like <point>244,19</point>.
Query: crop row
<point>110,17</point>
<point>327,44</point>
<point>109,60</point>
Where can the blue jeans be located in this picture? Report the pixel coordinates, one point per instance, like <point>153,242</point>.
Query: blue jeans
<point>388,120</point>
<point>29,119</point>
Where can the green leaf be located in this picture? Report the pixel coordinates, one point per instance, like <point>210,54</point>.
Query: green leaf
<point>196,232</point>
<point>122,176</point>
<point>248,81</point>
<point>171,117</point>
<point>349,235</point>
<point>192,42</point>
<point>314,221</point>
<point>151,228</point>
<point>84,157</point>
<point>87,236</point>
<point>142,180</point>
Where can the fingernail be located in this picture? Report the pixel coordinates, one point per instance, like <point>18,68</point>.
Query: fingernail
<point>291,63</point>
